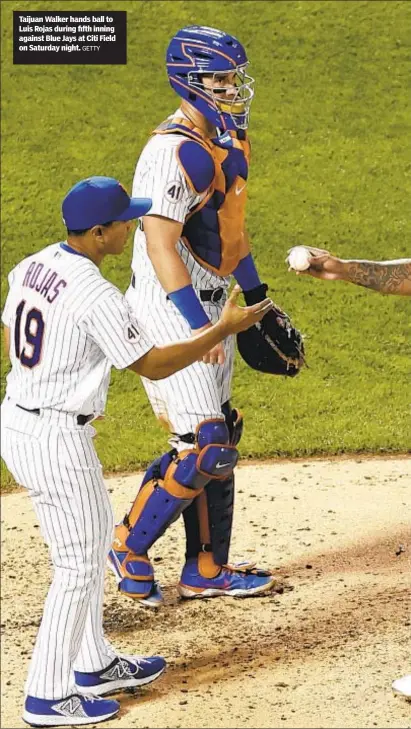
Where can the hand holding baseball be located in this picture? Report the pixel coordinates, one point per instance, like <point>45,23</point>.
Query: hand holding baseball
<point>315,262</point>
<point>299,258</point>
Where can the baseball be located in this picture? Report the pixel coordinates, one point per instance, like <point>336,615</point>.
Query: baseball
<point>299,258</point>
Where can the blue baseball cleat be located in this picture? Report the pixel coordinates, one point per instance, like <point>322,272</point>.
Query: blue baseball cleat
<point>240,580</point>
<point>124,672</point>
<point>73,710</point>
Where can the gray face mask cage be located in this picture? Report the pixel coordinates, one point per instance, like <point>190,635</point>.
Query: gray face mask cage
<point>237,104</point>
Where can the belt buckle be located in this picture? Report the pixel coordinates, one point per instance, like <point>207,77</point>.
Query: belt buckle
<point>216,295</point>
<point>84,419</point>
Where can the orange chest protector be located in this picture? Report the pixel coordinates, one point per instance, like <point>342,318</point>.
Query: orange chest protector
<point>214,229</point>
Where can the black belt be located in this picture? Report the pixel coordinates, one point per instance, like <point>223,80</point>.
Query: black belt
<point>213,295</point>
<point>81,419</point>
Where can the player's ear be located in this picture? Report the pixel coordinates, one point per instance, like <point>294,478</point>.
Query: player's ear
<point>97,231</point>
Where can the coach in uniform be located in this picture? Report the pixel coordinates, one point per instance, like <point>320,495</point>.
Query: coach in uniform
<point>65,327</point>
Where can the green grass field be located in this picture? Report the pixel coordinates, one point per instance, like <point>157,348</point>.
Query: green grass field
<point>330,127</point>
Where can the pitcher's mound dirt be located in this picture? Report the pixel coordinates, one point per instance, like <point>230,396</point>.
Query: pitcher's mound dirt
<point>322,651</point>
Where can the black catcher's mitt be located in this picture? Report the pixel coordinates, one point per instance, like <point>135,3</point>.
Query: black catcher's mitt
<point>272,345</point>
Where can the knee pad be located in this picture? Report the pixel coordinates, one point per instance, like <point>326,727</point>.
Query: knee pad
<point>174,480</point>
<point>217,456</point>
<point>234,421</point>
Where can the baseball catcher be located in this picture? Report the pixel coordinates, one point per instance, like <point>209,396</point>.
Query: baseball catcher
<point>195,169</point>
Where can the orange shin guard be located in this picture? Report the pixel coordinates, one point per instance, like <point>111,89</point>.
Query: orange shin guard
<point>160,501</point>
<point>206,565</point>
<point>131,567</point>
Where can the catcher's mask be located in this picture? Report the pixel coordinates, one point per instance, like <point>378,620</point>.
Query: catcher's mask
<point>260,352</point>
<point>196,51</point>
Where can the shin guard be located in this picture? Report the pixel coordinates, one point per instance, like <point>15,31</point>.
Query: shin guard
<point>169,485</point>
<point>162,498</point>
<point>208,521</point>
<point>174,480</point>
<point>168,488</point>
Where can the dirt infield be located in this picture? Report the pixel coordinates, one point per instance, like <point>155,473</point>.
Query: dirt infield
<point>321,652</point>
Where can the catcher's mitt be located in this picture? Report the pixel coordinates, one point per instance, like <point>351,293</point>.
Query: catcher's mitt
<point>272,345</point>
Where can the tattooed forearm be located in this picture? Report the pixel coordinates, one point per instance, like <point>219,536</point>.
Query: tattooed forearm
<point>392,277</point>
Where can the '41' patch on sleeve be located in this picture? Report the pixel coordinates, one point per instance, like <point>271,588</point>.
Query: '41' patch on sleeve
<point>174,191</point>
<point>130,331</point>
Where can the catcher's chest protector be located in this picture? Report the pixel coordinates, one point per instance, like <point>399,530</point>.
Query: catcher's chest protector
<point>214,230</point>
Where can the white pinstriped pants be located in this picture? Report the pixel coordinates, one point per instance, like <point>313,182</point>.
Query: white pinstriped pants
<point>56,461</point>
<point>197,392</point>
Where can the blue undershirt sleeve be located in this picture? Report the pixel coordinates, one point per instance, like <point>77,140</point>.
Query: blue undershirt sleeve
<point>246,274</point>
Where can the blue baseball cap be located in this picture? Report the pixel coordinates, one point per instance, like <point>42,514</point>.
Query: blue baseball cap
<point>99,200</point>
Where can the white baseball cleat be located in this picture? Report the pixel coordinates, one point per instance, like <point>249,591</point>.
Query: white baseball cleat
<point>402,686</point>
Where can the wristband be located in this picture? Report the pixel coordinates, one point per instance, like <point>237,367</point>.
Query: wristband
<point>188,304</point>
<point>254,296</point>
<point>246,274</point>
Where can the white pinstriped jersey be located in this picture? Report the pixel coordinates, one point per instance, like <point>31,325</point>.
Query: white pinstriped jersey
<point>158,175</point>
<point>196,393</point>
<point>68,327</point>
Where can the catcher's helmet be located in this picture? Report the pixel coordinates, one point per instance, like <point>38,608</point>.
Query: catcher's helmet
<point>198,50</point>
